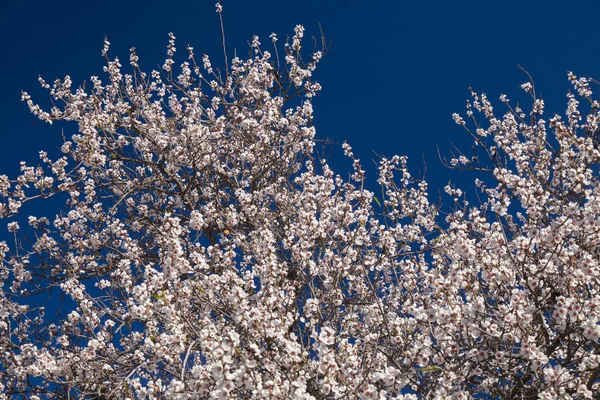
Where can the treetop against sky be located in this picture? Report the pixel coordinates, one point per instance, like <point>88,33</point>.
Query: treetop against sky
<point>184,235</point>
<point>402,68</point>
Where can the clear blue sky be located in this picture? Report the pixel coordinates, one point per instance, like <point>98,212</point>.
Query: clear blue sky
<point>395,73</point>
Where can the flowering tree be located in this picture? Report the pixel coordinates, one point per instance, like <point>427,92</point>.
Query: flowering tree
<point>204,251</point>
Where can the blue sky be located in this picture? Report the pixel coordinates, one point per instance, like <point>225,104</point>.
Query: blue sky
<point>395,73</point>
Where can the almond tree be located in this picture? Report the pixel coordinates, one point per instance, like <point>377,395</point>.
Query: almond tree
<point>204,250</point>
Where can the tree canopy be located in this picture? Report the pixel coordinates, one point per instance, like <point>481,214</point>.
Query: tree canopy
<point>205,250</point>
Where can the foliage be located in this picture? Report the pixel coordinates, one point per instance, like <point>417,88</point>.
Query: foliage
<point>205,251</point>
